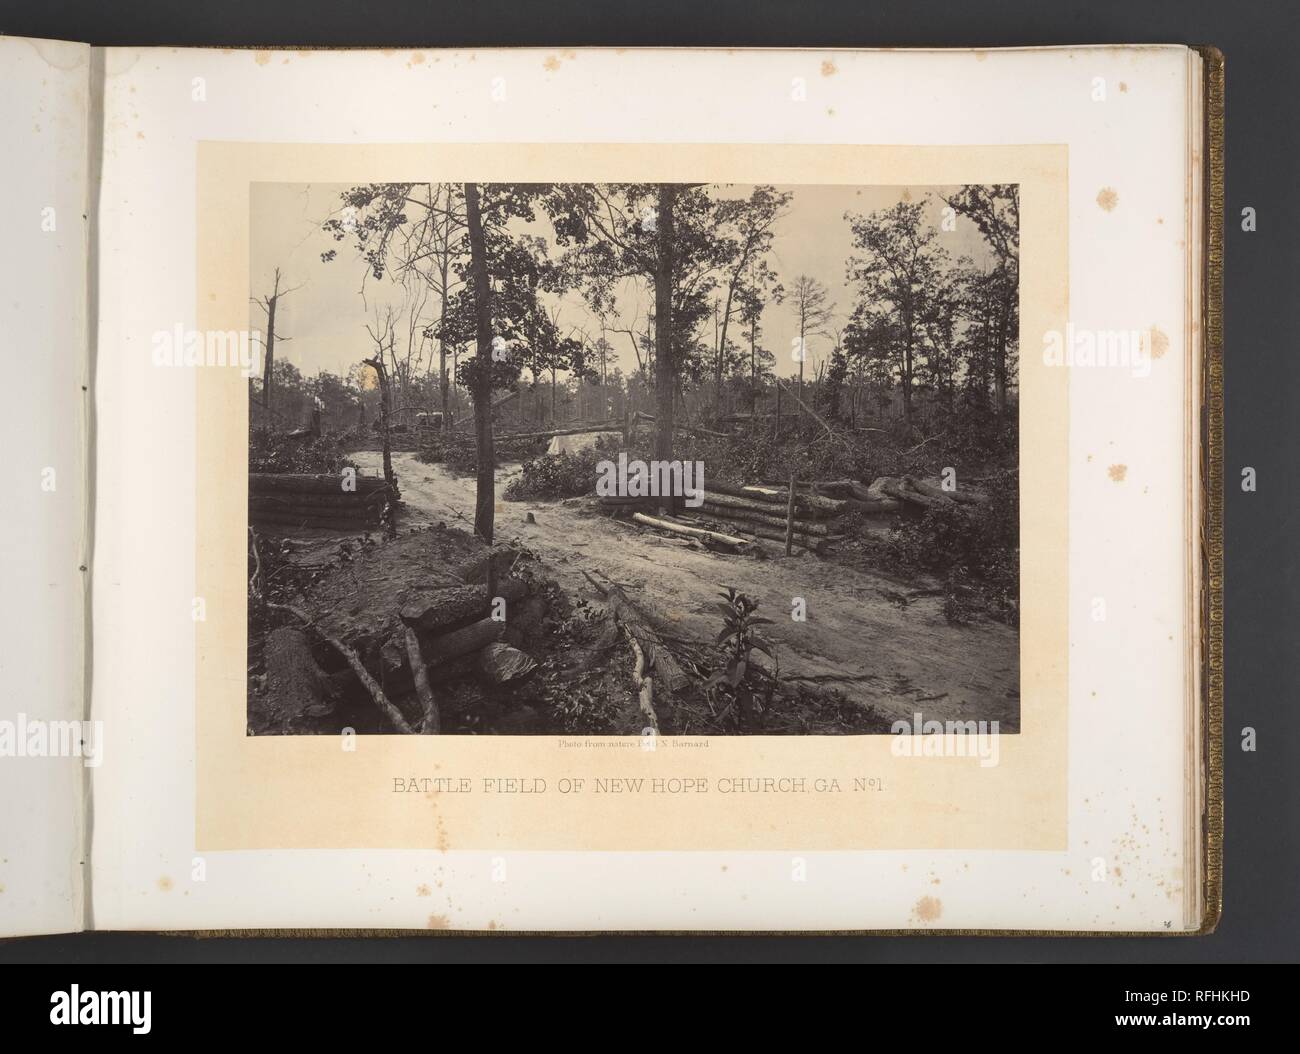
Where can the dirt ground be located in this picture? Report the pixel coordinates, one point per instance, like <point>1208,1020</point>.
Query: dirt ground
<point>867,635</point>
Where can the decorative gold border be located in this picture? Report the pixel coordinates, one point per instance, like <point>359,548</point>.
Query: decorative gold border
<point>1212,477</point>
<point>1212,488</point>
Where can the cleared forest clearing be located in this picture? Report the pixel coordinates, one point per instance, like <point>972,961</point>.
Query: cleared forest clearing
<point>865,636</point>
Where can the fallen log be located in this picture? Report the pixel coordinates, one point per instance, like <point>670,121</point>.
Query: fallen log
<point>801,541</point>
<point>730,512</point>
<point>935,491</point>
<point>807,506</point>
<point>444,610</point>
<point>472,638</point>
<point>625,614</point>
<point>381,700</point>
<point>815,504</point>
<point>278,482</point>
<point>305,500</point>
<point>640,416</point>
<point>475,570</point>
<point>645,684</point>
<point>874,506</point>
<point>507,437</point>
<point>431,722</point>
<point>271,520</point>
<point>897,488</point>
<point>690,532</point>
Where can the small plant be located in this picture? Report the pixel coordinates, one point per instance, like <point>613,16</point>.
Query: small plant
<point>739,638</point>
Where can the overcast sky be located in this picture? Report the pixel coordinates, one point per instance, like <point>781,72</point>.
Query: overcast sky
<point>327,316</point>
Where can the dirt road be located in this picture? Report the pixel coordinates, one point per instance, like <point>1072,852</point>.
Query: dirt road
<point>863,635</point>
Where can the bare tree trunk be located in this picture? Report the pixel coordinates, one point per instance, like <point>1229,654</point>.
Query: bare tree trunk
<point>663,446</point>
<point>803,354</point>
<point>267,374</point>
<point>381,372</point>
<point>485,494</point>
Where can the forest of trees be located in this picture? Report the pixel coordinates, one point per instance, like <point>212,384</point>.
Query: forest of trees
<point>533,287</point>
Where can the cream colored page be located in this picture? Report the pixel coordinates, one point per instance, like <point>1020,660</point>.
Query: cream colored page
<point>1124,216</point>
<point>43,120</point>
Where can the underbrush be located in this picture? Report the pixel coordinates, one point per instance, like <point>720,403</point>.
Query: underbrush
<point>460,457</point>
<point>974,549</point>
<point>277,452</point>
<point>971,440</point>
<point>561,475</point>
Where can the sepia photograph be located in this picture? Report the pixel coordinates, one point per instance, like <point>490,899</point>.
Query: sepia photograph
<point>620,459</point>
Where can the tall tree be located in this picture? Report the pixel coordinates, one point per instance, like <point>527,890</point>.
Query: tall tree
<point>744,232</point>
<point>660,235</point>
<point>481,376</point>
<point>897,255</point>
<point>664,343</point>
<point>812,304</point>
<point>759,289</point>
<point>269,304</point>
<point>995,210</point>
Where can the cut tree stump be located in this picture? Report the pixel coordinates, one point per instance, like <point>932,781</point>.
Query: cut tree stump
<point>296,687</point>
<point>501,663</point>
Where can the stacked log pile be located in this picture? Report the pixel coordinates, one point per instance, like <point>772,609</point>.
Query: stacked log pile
<point>285,500</point>
<point>813,520</point>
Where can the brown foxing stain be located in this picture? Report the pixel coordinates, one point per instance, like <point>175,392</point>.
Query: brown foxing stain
<point>165,884</point>
<point>1107,199</point>
<point>261,57</point>
<point>828,69</point>
<point>438,922</point>
<point>907,195</point>
<point>551,64</point>
<point>1117,472</point>
<point>423,890</point>
<point>1123,86</point>
<point>928,909</point>
<point>417,58</point>
<point>980,56</point>
<point>1159,342</point>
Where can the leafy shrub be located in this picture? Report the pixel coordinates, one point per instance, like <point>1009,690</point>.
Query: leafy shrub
<point>277,452</point>
<point>974,548</point>
<point>561,475</point>
<point>461,456</point>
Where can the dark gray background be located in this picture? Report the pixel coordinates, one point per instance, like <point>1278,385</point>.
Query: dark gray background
<point>1262,45</point>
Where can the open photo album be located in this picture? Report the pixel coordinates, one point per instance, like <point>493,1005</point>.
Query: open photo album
<point>583,491</point>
